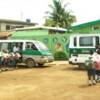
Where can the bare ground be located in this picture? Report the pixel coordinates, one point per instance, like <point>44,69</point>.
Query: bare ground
<point>55,82</point>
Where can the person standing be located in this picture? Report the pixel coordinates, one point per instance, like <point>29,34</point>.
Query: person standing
<point>90,66</point>
<point>5,59</point>
<point>98,66</point>
<point>16,48</point>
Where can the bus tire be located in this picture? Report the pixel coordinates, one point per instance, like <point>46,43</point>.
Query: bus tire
<point>30,63</point>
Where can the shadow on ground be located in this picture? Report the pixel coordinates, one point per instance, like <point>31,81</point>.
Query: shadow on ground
<point>74,68</point>
<point>25,67</point>
<point>19,67</point>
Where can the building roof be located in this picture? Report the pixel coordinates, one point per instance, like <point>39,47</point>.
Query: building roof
<point>86,24</point>
<point>41,27</point>
<point>4,34</point>
<point>16,22</point>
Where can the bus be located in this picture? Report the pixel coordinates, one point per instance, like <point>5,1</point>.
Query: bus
<point>80,46</point>
<point>32,52</point>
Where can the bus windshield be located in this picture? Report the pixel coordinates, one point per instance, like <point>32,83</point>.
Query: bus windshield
<point>41,46</point>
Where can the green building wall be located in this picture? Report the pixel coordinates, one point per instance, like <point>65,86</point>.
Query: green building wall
<point>50,40</point>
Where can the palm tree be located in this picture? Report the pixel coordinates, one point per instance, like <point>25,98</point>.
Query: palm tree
<point>59,17</point>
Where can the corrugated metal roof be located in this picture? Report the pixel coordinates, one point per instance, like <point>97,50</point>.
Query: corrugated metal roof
<point>4,34</point>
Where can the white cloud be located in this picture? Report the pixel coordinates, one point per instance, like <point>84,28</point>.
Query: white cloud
<point>85,10</point>
<point>23,9</point>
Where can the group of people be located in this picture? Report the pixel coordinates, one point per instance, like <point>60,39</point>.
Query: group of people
<point>92,65</point>
<point>9,59</point>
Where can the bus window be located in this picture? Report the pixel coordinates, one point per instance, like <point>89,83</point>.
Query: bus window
<point>30,46</point>
<point>20,45</point>
<point>41,46</point>
<point>13,47</point>
<point>86,41</point>
<point>33,47</point>
<point>10,47</point>
<point>75,41</point>
<point>4,46</point>
<point>0,46</point>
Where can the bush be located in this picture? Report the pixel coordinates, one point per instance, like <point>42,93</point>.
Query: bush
<point>60,55</point>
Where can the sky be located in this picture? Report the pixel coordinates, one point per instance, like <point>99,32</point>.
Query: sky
<point>84,10</point>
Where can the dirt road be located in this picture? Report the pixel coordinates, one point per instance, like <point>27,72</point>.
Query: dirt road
<point>56,82</point>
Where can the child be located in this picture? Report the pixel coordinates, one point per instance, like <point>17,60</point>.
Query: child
<point>90,66</point>
<point>98,65</point>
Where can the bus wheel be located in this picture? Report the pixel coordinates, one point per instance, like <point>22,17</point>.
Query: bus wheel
<point>30,63</point>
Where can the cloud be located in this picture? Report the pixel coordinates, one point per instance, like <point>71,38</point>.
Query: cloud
<point>85,10</point>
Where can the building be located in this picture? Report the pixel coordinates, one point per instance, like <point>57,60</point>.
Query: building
<point>8,25</point>
<point>55,38</point>
<point>89,27</point>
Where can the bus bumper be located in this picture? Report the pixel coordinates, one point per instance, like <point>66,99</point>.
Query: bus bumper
<point>76,61</point>
<point>70,62</point>
<point>46,59</point>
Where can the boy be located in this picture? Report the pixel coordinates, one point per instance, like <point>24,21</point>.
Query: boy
<point>90,66</point>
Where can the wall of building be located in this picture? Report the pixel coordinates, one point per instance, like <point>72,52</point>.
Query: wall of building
<point>10,26</point>
<point>55,42</point>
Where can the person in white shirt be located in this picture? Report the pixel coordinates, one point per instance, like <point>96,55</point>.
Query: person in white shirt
<point>15,48</point>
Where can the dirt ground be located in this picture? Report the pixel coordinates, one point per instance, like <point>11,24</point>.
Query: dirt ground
<point>52,82</point>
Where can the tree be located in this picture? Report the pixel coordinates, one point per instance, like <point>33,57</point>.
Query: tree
<point>59,16</point>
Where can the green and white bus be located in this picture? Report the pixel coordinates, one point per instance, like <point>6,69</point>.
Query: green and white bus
<point>80,46</point>
<point>33,52</point>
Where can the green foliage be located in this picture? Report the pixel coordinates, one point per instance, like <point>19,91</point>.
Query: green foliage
<point>60,55</point>
<point>49,22</point>
<point>59,16</point>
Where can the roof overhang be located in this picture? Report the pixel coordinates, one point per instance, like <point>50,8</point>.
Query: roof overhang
<point>41,27</point>
<point>5,34</point>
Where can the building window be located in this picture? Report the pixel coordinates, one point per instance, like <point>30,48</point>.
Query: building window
<point>56,31</point>
<point>7,27</point>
